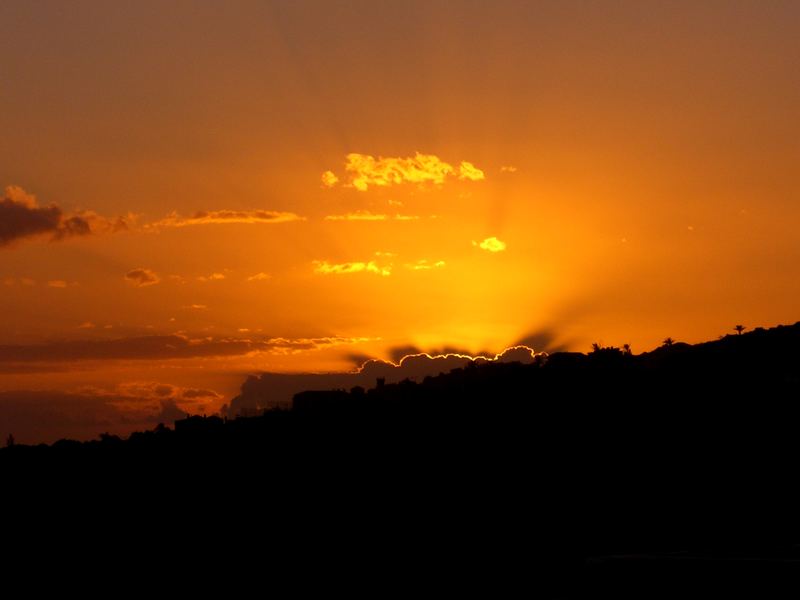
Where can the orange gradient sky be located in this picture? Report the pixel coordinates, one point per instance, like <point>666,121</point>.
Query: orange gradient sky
<point>196,191</point>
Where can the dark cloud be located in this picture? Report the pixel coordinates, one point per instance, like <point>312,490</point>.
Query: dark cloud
<point>543,340</point>
<point>170,412</point>
<point>33,417</point>
<point>276,389</point>
<point>157,347</point>
<point>73,226</point>
<point>142,277</point>
<point>21,217</point>
<point>19,220</point>
<point>195,393</point>
<point>398,352</point>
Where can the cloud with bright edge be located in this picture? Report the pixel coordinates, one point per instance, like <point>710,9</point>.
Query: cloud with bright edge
<point>364,170</point>
<point>490,244</point>
<point>142,277</point>
<point>277,389</point>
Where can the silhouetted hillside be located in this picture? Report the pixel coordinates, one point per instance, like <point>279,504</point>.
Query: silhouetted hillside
<point>606,469</point>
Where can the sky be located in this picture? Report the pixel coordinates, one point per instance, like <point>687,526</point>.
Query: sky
<point>196,192</point>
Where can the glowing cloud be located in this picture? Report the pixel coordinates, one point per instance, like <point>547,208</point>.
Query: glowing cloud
<point>365,170</point>
<point>260,277</point>
<point>329,179</point>
<point>424,265</point>
<point>365,215</point>
<point>142,277</point>
<point>212,277</point>
<point>325,268</point>
<point>217,217</point>
<point>469,171</point>
<point>359,215</point>
<point>491,244</point>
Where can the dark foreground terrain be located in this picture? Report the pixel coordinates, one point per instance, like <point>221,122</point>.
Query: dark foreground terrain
<point>667,474</point>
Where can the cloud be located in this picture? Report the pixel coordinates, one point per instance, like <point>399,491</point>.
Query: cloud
<point>329,179</point>
<point>544,340</point>
<point>469,171</point>
<point>21,217</point>
<point>35,416</point>
<point>142,277</point>
<point>162,347</point>
<point>212,277</point>
<point>364,171</point>
<point>217,217</point>
<point>277,389</point>
<point>325,268</point>
<point>365,215</point>
<point>425,265</point>
<point>359,215</point>
<point>156,390</point>
<point>260,277</point>
<point>491,244</point>
<point>197,393</point>
<point>508,169</point>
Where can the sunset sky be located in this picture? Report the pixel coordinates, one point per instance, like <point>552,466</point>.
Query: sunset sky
<point>198,191</point>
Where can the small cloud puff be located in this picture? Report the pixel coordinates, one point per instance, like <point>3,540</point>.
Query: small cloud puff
<point>329,179</point>
<point>142,277</point>
<point>490,244</point>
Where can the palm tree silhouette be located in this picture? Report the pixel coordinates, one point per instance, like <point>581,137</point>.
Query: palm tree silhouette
<point>668,341</point>
<point>739,329</point>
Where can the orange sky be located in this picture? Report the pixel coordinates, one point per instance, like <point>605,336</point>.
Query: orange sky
<point>202,190</point>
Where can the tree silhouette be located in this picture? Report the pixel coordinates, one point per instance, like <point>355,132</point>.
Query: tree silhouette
<point>626,349</point>
<point>10,440</point>
<point>668,342</point>
<point>739,329</point>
